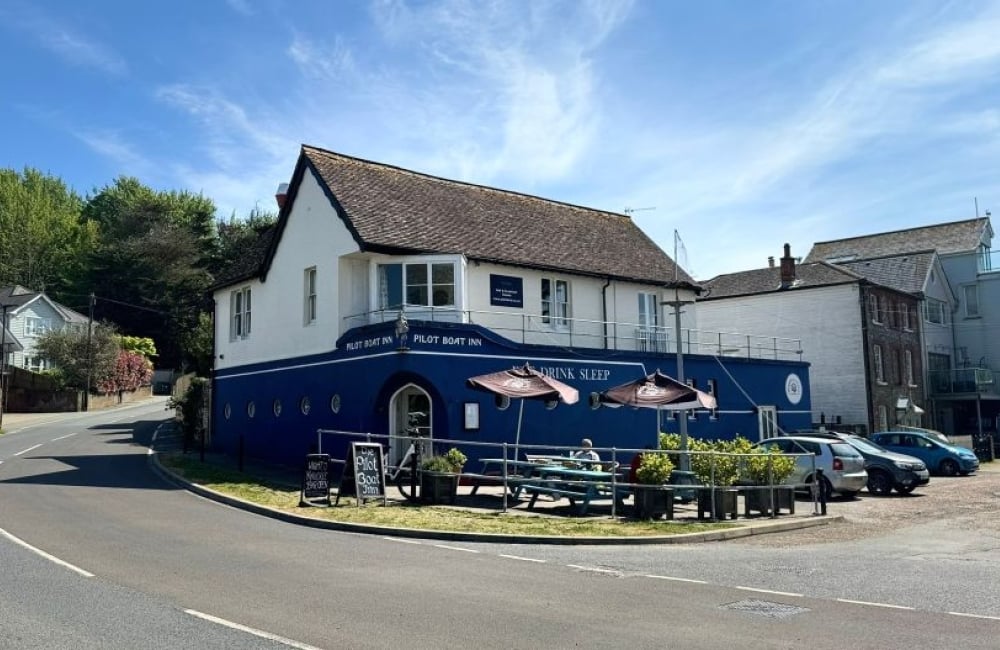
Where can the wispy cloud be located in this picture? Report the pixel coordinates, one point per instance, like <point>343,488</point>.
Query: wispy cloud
<point>241,7</point>
<point>112,144</point>
<point>69,44</point>
<point>316,60</point>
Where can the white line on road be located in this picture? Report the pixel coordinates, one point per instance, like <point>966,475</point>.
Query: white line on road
<point>523,559</point>
<point>47,556</point>
<point>862,602</point>
<point>68,435</point>
<point>991,618</point>
<point>249,630</point>
<point>697,582</point>
<point>24,451</point>
<point>403,541</point>
<point>456,548</point>
<point>769,591</point>
<point>593,569</point>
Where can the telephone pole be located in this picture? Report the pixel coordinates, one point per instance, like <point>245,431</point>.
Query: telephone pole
<point>90,354</point>
<point>3,360</point>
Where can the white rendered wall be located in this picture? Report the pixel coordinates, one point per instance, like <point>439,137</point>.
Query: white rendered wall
<point>828,322</point>
<point>314,236</point>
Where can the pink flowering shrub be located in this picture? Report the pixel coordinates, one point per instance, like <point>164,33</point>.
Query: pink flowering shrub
<point>130,371</point>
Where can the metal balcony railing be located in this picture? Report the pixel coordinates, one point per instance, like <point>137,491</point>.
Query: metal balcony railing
<point>537,329</point>
<point>964,380</point>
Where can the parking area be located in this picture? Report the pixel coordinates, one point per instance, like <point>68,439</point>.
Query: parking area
<point>971,502</point>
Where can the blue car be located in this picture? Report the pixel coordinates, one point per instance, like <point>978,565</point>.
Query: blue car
<point>939,457</point>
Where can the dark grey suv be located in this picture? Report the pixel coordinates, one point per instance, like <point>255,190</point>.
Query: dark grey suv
<point>888,470</point>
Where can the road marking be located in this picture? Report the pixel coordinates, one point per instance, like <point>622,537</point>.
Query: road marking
<point>523,559</point>
<point>68,435</point>
<point>47,556</point>
<point>769,591</point>
<point>403,541</point>
<point>24,451</point>
<point>697,582</point>
<point>456,548</point>
<point>862,602</point>
<point>593,569</point>
<point>991,618</point>
<point>249,630</point>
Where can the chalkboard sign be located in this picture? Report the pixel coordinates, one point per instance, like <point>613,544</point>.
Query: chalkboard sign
<point>364,473</point>
<point>316,481</point>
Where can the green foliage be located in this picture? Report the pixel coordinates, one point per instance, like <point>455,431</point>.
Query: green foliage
<point>197,344</point>
<point>451,462</point>
<point>654,469</point>
<point>44,242</point>
<point>765,468</point>
<point>68,350</point>
<point>236,236</point>
<point>139,344</point>
<point>190,407</point>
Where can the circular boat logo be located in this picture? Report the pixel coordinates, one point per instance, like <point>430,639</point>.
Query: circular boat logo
<point>793,388</point>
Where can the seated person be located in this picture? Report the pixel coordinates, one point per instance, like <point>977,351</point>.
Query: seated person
<point>586,452</point>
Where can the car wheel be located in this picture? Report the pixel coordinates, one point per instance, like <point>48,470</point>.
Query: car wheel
<point>905,489</point>
<point>948,467</point>
<point>879,483</point>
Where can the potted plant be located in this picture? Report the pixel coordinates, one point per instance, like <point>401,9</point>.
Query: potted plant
<point>439,476</point>
<point>717,467</point>
<point>652,499</point>
<point>763,467</point>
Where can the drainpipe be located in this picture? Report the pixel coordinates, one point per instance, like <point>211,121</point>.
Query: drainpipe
<point>862,294</point>
<point>604,309</point>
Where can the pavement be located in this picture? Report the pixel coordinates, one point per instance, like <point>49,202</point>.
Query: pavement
<point>488,499</point>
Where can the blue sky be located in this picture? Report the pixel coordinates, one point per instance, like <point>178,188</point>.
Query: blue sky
<point>743,125</point>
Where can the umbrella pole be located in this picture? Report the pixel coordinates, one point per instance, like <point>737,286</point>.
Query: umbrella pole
<point>517,438</point>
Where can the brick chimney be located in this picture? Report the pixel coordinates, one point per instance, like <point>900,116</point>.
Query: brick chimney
<point>787,268</point>
<point>281,195</point>
<point>770,261</point>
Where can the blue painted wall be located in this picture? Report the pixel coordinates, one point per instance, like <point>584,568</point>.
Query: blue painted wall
<point>368,368</point>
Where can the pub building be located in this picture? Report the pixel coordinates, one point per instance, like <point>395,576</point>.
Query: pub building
<point>380,291</point>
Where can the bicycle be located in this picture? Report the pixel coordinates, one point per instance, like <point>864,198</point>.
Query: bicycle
<point>406,476</point>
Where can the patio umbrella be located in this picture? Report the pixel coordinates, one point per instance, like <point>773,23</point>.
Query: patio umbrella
<point>661,392</point>
<point>524,383</point>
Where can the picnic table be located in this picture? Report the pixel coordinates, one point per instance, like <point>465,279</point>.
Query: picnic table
<point>492,472</point>
<point>575,484</point>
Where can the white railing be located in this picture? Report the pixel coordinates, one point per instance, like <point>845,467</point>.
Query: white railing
<point>535,329</point>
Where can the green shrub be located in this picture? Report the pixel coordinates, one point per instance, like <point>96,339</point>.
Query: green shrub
<point>451,462</point>
<point>765,468</point>
<point>654,469</point>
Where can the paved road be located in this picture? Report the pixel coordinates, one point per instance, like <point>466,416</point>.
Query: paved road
<point>87,497</point>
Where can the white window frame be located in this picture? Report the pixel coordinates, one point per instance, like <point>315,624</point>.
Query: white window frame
<point>649,312</point>
<point>877,362</point>
<point>971,306</point>
<point>713,390</point>
<point>555,313</point>
<point>904,316</point>
<point>382,289</point>
<point>767,422</point>
<point>934,307</point>
<point>882,423</point>
<point>908,367</point>
<point>35,363</point>
<point>240,305</point>
<point>309,295</point>
<point>873,305</point>
<point>36,325</point>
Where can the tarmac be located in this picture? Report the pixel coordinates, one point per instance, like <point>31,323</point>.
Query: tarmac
<point>488,499</point>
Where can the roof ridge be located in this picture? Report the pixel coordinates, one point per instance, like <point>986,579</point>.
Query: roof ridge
<point>925,251</point>
<point>469,184</point>
<point>901,230</point>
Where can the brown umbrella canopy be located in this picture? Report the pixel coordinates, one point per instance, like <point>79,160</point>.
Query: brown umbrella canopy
<point>525,383</point>
<point>658,390</point>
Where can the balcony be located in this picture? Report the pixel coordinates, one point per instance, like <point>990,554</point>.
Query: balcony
<point>537,329</point>
<point>964,380</point>
<point>989,261</point>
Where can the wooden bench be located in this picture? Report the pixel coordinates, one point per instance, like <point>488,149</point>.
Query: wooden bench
<point>560,492</point>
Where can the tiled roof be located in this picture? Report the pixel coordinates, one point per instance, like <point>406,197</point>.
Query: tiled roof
<point>16,296</point>
<point>395,210</point>
<point>907,273</point>
<point>945,238</point>
<point>768,280</point>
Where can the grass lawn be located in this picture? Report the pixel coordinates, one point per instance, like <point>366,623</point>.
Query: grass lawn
<point>403,515</point>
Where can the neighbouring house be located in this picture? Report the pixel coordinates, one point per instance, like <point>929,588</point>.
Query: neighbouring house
<point>960,307</point>
<point>31,314</point>
<point>861,337</point>
<point>380,290</point>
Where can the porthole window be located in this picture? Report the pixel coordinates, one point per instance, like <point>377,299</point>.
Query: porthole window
<point>276,407</point>
<point>335,403</point>
<point>502,402</point>
<point>305,405</point>
<point>227,411</point>
<point>251,409</point>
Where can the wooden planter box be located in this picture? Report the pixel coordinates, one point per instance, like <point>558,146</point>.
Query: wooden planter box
<point>438,487</point>
<point>758,499</point>
<point>725,502</point>
<point>653,502</point>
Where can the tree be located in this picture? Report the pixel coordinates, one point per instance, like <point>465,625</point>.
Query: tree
<point>237,235</point>
<point>197,344</point>
<point>150,270</point>
<point>45,242</point>
<point>68,350</point>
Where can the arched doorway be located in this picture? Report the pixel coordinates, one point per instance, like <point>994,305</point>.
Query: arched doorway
<point>409,415</point>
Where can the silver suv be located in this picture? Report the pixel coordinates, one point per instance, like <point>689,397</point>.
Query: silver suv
<point>843,467</point>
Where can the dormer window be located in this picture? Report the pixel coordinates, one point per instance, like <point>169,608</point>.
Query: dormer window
<point>424,284</point>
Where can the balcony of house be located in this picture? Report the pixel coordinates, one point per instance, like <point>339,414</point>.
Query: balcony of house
<point>546,329</point>
<point>989,261</point>
<point>964,381</point>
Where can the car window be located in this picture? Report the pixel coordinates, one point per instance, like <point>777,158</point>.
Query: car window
<point>811,447</point>
<point>844,450</point>
<point>865,445</point>
<point>926,443</point>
